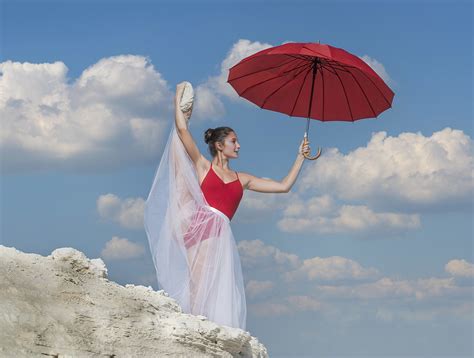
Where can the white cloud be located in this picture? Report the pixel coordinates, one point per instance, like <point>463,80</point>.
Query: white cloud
<point>460,268</point>
<point>209,94</point>
<point>255,254</point>
<point>321,214</point>
<point>378,68</point>
<point>128,212</point>
<point>48,122</point>
<point>121,249</point>
<point>332,269</point>
<point>404,173</point>
<point>330,285</point>
<point>379,188</point>
<point>383,288</point>
<point>386,288</point>
<point>255,288</point>
<point>241,49</point>
<point>128,78</point>
<point>207,104</point>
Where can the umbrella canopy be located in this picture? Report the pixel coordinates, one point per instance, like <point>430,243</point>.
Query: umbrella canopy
<point>311,80</point>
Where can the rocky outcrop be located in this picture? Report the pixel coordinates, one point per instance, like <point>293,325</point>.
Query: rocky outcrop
<point>64,305</point>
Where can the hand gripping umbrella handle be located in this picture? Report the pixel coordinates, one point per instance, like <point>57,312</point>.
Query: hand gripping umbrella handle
<point>307,156</point>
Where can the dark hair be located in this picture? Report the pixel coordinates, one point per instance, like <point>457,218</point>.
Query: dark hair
<point>211,136</point>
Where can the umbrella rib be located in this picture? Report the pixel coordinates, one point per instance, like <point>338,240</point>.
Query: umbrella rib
<point>298,96</point>
<point>283,85</point>
<point>378,89</point>
<point>365,95</point>
<point>264,69</point>
<point>345,94</point>
<point>346,68</point>
<point>269,79</point>
<point>322,80</point>
<point>331,66</point>
<point>306,58</point>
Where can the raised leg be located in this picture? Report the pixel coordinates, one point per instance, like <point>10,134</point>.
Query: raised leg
<point>198,261</point>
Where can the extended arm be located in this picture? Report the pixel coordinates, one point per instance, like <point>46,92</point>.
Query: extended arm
<point>182,128</point>
<point>264,185</point>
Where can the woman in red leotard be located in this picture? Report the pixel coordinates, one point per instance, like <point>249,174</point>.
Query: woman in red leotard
<point>187,219</point>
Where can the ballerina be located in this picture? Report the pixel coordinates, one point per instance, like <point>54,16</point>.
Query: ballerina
<point>188,213</point>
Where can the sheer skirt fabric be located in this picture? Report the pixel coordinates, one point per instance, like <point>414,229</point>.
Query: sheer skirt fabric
<point>191,243</point>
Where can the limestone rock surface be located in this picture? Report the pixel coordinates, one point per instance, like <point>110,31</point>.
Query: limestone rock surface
<point>63,305</point>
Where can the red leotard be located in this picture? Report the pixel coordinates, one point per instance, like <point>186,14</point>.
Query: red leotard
<point>222,196</point>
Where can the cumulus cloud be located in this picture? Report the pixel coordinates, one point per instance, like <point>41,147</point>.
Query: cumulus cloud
<point>378,68</point>
<point>321,214</point>
<point>209,94</point>
<point>374,191</point>
<point>207,104</point>
<point>331,284</point>
<point>115,114</point>
<point>121,249</point>
<point>390,288</point>
<point>377,190</point>
<point>331,269</point>
<point>406,173</point>
<point>255,288</point>
<point>460,268</point>
<point>127,212</point>
<point>241,49</point>
<point>255,254</point>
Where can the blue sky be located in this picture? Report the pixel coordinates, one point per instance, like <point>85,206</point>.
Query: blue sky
<point>371,251</point>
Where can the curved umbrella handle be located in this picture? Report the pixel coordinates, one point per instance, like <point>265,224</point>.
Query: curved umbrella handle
<point>307,156</point>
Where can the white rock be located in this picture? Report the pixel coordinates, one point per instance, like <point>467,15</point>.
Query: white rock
<point>64,305</point>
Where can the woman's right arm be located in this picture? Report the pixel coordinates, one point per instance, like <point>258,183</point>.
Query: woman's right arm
<point>182,129</point>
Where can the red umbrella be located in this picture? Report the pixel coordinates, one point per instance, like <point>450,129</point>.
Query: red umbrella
<point>313,81</point>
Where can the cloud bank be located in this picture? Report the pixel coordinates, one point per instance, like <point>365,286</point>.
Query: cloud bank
<point>396,173</point>
<point>280,283</point>
<point>121,249</point>
<point>114,114</point>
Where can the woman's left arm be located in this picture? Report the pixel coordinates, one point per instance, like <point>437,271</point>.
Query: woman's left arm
<point>264,185</point>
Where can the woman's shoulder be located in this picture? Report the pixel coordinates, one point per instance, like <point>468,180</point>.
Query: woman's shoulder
<point>244,174</point>
<point>244,178</point>
<point>204,163</point>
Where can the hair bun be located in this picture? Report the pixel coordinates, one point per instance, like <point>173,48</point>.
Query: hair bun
<point>208,134</point>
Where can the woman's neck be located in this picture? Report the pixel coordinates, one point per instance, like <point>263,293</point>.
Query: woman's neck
<point>222,163</point>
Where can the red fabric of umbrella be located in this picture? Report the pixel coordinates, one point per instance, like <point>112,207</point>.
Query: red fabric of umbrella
<point>311,80</point>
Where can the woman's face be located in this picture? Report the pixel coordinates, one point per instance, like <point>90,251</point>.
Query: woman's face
<point>231,146</point>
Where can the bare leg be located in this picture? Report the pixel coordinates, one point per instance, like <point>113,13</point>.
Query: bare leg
<point>197,258</point>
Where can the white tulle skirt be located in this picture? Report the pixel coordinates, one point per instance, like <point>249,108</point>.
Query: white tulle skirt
<point>192,245</point>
